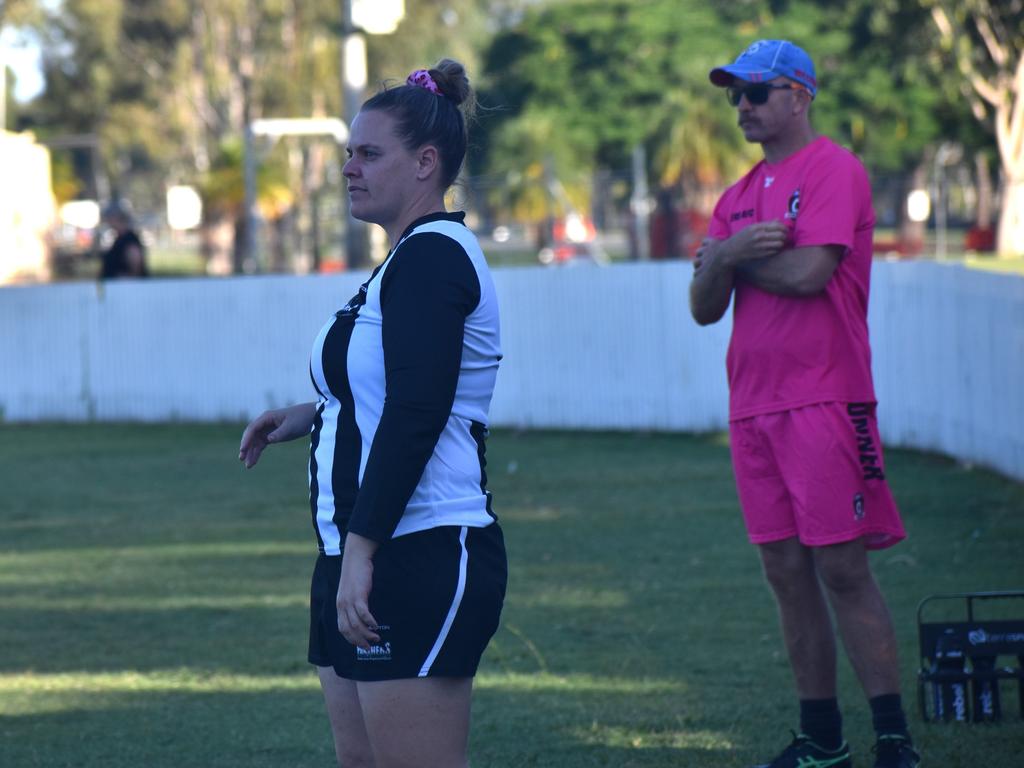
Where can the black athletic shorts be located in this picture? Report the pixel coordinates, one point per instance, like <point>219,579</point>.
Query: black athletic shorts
<point>437,595</point>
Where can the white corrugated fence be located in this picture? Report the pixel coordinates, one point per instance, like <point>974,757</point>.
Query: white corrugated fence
<point>585,348</point>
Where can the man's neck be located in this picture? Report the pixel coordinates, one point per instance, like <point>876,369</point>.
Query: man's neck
<point>779,149</point>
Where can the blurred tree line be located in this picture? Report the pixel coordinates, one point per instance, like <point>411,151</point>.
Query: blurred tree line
<point>583,82</point>
<point>570,88</point>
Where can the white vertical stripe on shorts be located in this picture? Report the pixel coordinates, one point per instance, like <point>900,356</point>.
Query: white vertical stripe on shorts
<point>454,609</point>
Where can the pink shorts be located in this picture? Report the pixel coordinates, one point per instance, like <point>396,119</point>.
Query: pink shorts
<point>815,473</point>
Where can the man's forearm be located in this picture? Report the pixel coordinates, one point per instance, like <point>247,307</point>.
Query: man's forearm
<point>794,272</point>
<point>710,293</point>
<point>768,275</point>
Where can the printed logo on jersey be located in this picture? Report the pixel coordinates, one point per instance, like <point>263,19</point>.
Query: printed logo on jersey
<point>858,506</point>
<point>793,207</point>
<point>738,215</point>
<point>768,181</point>
<point>867,452</point>
<point>352,308</point>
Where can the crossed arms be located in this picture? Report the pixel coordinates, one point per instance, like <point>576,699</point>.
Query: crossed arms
<point>757,255</point>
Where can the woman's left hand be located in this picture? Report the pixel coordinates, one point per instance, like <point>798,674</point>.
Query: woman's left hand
<point>355,622</point>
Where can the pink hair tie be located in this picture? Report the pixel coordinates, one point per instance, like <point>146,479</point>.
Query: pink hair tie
<point>422,79</point>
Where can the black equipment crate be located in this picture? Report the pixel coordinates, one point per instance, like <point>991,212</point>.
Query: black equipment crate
<point>960,671</point>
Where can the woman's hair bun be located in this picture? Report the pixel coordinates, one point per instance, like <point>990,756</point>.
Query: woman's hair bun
<point>451,80</point>
<point>432,107</point>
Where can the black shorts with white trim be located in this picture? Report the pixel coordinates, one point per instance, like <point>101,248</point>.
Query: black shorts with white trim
<point>437,595</point>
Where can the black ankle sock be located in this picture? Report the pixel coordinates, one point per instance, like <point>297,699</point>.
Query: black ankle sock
<point>821,722</point>
<point>887,715</point>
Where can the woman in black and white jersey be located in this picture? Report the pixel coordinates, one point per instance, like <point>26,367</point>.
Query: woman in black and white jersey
<point>408,588</point>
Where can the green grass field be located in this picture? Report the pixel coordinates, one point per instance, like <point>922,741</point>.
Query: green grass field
<point>153,604</point>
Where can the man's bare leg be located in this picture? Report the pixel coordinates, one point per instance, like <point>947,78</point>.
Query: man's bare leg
<point>806,626</point>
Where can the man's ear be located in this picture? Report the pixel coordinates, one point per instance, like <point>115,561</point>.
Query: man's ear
<point>428,162</point>
<point>802,102</point>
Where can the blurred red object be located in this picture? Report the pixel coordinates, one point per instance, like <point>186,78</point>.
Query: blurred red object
<point>897,247</point>
<point>572,237</point>
<point>980,239</point>
<point>331,266</point>
<point>677,234</point>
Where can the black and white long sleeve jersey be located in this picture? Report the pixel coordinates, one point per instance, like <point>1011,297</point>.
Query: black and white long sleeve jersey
<point>405,373</point>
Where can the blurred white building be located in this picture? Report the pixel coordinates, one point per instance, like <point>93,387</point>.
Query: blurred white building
<point>27,208</point>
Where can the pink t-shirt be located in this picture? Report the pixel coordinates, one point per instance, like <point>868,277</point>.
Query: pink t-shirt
<point>787,352</point>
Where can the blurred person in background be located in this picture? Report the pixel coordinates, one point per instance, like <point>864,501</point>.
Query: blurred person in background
<point>410,581</point>
<point>790,245</point>
<point>126,256</point>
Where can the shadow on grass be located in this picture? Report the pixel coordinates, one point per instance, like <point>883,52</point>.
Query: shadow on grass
<point>162,624</point>
<point>280,729</point>
<point>209,730</point>
<point>252,640</point>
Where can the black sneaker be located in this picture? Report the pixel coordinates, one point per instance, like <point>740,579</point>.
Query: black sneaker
<point>895,752</point>
<point>804,753</point>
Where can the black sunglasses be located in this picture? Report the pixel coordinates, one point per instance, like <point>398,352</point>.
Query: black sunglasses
<point>756,93</point>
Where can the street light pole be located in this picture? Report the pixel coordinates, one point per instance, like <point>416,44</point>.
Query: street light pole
<point>3,91</point>
<point>247,257</point>
<point>947,154</point>
<point>640,205</point>
<point>353,84</point>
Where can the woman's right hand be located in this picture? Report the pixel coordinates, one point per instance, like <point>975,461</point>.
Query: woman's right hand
<point>355,622</point>
<point>276,426</point>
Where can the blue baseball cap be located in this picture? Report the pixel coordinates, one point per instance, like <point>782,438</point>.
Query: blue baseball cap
<point>766,60</point>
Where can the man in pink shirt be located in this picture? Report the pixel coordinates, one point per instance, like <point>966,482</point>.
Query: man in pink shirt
<point>790,245</point>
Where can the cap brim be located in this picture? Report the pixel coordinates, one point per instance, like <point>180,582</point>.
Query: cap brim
<point>724,76</point>
<point>720,77</point>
